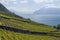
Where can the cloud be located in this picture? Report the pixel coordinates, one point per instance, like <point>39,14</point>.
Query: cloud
<point>38,1</point>
<point>6,1</point>
<point>52,6</point>
<point>21,9</point>
<point>3,1</point>
<point>12,0</point>
<point>41,4</point>
<point>45,1</point>
<point>24,1</point>
<point>49,1</point>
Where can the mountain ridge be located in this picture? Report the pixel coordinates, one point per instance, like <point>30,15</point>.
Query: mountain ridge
<point>48,16</point>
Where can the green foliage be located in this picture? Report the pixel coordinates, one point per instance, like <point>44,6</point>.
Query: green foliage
<point>8,35</point>
<point>54,27</point>
<point>58,26</point>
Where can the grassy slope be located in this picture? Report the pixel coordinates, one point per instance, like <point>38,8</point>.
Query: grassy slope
<point>24,24</point>
<point>8,35</point>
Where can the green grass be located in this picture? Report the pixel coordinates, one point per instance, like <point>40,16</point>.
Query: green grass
<point>8,35</point>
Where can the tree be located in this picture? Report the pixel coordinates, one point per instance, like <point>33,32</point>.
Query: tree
<point>54,27</point>
<point>58,26</point>
<point>28,19</point>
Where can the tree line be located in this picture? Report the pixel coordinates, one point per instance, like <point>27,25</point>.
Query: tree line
<point>57,26</point>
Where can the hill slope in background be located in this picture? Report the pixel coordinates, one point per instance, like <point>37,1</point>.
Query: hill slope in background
<point>9,19</point>
<point>48,16</point>
<point>50,11</point>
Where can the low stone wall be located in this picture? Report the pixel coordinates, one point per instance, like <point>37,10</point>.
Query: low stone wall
<point>22,31</point>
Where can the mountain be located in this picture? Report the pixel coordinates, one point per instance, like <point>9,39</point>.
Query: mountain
<point>14,27</point>
<point>48,16</point>
<point>48,11</point>
<point>2,8</point>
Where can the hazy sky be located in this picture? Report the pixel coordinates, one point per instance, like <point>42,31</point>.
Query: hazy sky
<point>30,5</point>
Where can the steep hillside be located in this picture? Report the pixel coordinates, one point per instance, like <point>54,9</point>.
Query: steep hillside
<point>22,23</point>
<point>9,19</point>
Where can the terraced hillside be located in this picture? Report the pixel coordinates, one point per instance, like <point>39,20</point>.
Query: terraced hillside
<point>22,23</point>
<point>9,35</point>
<point>9,19</point>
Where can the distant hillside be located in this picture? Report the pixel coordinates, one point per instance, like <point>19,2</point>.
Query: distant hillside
<point>50,16</point>
<point>51,11</point>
